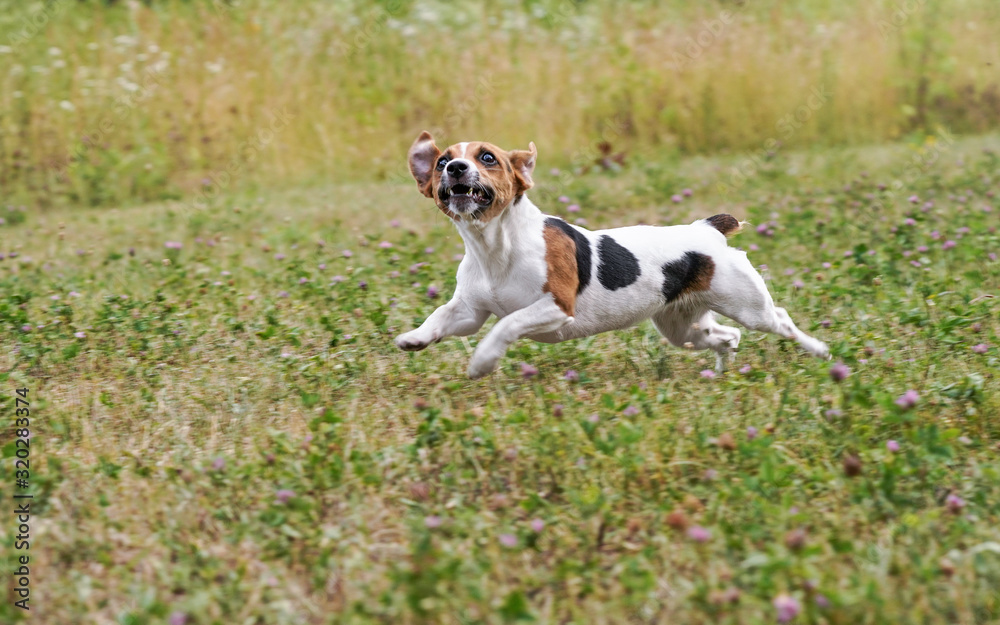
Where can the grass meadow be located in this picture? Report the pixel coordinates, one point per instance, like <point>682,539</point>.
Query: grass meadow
<point>201,299</point>
<point>226,434</point>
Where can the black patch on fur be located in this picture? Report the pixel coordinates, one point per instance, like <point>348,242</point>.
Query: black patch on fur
<point>582,250</point>
<point>681,274</point>
<point>619,267</point>
<point>724,223</point>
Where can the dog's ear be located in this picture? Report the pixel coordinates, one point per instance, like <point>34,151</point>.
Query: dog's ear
<point>524,164</point>
<point>423,157</point>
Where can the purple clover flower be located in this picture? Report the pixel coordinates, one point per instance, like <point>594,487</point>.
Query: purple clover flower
<point>839,372</point>
<point>908,399</point>
<point>787,606</point>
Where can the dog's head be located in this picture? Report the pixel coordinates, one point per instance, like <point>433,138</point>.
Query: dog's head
<point>471,181</point>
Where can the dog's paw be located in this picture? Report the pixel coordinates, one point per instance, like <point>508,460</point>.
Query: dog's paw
<point>409,343</point>
<point>734,342</point>
<point>822,351</point>
<point>480,368</point>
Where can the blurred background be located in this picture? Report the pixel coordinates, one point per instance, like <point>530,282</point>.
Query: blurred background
<point>106,102</point>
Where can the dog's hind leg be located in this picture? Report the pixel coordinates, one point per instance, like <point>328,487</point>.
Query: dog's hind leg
<point>738,292</point>
<point>699,331</point>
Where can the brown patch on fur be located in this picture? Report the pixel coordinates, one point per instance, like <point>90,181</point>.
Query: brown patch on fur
<point>691,272</point>
<point>422,158</point>
<point>560,261</point>
<point>701,279</point>
<point>726,224</point>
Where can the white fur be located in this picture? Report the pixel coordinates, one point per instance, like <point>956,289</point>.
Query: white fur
<point>504,270</point>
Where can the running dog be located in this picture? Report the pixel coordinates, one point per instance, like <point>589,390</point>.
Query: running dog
<point>551,281</point>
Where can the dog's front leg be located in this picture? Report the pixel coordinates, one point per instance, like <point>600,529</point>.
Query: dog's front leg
<point>456,318</point>
<point>538,318</point>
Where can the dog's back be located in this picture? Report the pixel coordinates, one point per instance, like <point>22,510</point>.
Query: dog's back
<point>637,271</point>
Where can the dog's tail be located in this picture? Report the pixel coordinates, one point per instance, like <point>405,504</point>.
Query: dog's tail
<point>726,224</point>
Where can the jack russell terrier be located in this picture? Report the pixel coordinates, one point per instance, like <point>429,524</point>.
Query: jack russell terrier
<point>551,281</point>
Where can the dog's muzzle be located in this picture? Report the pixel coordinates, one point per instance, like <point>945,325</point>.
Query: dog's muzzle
<point>465,194</point>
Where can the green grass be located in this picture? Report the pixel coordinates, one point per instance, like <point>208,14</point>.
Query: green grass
<point>208,379</point>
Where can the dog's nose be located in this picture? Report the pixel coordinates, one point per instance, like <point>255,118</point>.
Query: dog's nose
<point>457,168</point>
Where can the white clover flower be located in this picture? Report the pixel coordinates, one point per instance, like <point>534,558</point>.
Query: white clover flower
<point>66,105</point>
<point>55,51</point>
<point>6,49</point>
<point>58,63</point>
<point>92,45</point>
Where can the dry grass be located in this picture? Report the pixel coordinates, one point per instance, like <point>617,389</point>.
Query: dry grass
<point>158,101</point>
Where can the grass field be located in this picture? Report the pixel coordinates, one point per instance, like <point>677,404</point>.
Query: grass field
<point>224,433</point>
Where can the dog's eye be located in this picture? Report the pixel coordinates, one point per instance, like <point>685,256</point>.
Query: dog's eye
<point>442,162</point>
<point>488,158</point>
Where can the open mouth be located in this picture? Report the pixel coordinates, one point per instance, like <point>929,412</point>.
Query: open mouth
<point>477,194</point>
